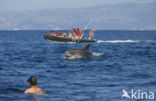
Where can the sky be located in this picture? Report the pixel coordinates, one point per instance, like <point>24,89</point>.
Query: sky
<point>22,5</point>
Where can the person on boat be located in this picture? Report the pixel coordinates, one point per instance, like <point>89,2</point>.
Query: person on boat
<point>60,33</point>
<point>74,34</point>
<point>78,32</point>
<point>91,33</point>
<point>77,36</point>
<point>63,34</point>
<point>70,35</point>
<point>74,31</point>
<point>34,89</point>
<point>56,34</point>
<point>52,32</point>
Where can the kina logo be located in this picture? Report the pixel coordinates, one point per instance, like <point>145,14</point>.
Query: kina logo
<point>138,94</point>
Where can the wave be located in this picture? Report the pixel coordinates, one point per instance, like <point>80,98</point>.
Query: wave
<point>124,41</point>
<point>111,41</point>
<point>11,90</point>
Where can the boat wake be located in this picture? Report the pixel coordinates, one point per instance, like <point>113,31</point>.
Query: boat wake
<point>111,41</point>
<point>124,41</point>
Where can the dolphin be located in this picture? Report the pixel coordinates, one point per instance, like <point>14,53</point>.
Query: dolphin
<point>78,53</point>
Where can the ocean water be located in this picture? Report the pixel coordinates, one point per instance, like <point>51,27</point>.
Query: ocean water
<point>129,62</point>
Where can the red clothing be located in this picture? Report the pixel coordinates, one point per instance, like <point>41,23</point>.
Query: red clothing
<point>78,32</point>
<point>57,35</point>
<point>52,33</point>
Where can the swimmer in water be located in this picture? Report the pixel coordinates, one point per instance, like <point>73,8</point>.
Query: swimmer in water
<point>34,89</point>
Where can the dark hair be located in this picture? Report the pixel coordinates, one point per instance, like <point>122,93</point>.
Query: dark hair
<point>32,80</point>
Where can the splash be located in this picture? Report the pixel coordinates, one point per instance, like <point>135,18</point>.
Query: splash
<point>97,54</point>
<point>73,57</point>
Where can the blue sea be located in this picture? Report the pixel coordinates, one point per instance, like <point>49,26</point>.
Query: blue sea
<point>129,62</point>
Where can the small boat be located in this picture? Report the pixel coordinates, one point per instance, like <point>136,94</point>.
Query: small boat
<point>66,39</point>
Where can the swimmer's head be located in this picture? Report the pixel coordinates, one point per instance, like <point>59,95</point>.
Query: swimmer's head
<point>32,81</point>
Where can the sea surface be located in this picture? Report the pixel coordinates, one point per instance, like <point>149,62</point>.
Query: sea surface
<point>129,62</point>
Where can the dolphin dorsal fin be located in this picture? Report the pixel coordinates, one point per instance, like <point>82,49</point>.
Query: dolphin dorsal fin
<point>86,47</point>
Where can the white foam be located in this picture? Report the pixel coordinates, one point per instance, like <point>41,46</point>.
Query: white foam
<point>111,41</point>
<point>94,54</point>
<point>97,54</point>
<point>124,41</point>
<point>73,57</point>
<point>100,41</point>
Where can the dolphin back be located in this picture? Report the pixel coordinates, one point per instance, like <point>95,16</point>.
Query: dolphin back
<point>86,47</point>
